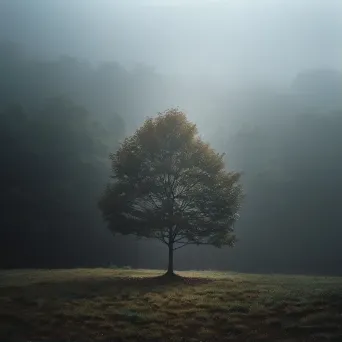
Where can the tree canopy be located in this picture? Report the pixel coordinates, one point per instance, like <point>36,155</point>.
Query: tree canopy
<point>170,185</point>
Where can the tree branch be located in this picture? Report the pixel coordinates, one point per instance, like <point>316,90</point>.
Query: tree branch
<point>162,239</point>
<point>179,239</point>
<point>185,244</point>
<point>153,201</point>
<point>192,243</point>
<point>189,187</point>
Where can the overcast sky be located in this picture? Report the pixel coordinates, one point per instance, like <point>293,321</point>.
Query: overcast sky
<point>254,39</point>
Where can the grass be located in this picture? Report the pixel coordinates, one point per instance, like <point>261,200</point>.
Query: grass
<point>136,305</point>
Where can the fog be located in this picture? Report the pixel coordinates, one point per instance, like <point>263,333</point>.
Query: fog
<point>261,79</point>
<point>242,40</point>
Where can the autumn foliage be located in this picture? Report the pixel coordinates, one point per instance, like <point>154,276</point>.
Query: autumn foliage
<point>170,185</point>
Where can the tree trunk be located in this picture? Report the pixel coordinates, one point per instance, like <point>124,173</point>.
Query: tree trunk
<point>170,267</point>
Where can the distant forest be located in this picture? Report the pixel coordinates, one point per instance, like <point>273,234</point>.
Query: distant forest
<point>60,119</point>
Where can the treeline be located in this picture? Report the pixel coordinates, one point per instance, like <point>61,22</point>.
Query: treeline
<point>60,119</point>
<point>54,163</point>
<point>291,220</point>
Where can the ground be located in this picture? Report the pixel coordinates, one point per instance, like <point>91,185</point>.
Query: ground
<point>137,305</point>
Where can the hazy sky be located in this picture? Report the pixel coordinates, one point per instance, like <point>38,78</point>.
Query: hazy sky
<point>236,38</point>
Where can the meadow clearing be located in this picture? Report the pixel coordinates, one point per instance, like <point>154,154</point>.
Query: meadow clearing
<point>107,304</point>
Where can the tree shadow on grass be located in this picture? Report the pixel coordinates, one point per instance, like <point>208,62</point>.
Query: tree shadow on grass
<point>95,287</point>
<point>165,279</point>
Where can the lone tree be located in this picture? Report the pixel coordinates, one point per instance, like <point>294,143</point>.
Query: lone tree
<point>170,185</point>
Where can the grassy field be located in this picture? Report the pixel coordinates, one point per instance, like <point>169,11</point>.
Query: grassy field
<point>136,305</point>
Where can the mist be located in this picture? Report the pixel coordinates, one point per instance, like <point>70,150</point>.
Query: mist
<point>262,80</point>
